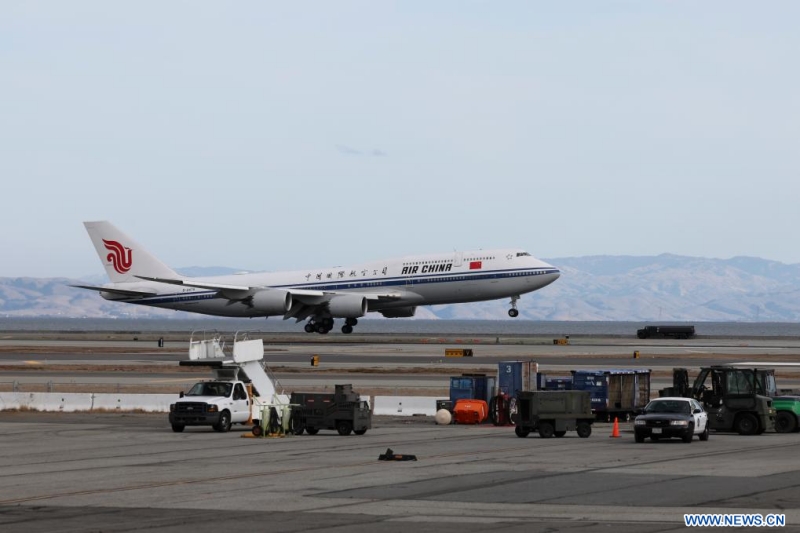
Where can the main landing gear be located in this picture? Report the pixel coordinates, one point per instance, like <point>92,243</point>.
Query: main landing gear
<point>347,329</point>
<point>323,325</point>
<point>513,313</point>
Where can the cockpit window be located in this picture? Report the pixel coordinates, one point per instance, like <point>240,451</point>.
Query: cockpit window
<point>523,254</point>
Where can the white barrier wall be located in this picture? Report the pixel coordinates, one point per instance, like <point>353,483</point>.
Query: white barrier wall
<point>85,401</point>
<point>405,405</point>
<point>159,403</point>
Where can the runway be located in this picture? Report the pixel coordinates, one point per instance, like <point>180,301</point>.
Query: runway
<point>415,364</point>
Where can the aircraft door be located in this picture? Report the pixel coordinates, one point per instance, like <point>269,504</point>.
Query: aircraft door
<point>458,259</point>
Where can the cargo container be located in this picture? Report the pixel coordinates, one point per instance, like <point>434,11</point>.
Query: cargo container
<point>546,382</point>
<point>471,387</point>
<point>614,393</point>
<point>515,376</point>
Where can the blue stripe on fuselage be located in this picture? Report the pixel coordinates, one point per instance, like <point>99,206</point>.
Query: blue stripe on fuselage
<point>372,283</point>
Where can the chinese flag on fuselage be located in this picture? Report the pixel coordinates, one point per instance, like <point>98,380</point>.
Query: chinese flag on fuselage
<point>475,265</point>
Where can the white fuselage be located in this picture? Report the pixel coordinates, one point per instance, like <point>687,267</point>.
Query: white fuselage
<point>415,280</point>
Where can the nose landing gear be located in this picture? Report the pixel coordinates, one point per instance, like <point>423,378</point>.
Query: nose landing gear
<point>513,313</point>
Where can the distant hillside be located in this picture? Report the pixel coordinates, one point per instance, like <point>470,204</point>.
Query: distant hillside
<point>665,287</point>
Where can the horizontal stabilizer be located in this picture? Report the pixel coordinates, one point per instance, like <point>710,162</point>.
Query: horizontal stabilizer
<point>120,292</point>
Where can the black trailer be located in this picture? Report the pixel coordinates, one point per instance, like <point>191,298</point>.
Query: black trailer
<point>343,411</point>
<point>553,413</point>
<point>666,332</point>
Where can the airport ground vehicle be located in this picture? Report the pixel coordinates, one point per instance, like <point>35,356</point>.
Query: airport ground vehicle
<point>343,411</point>
<point>240,389</point>
<point>787,413</point>
<point>669,417</point>
<point>218,404</point>
<point>733,398</point>
<point>662,332</point>
<point>553,413</point>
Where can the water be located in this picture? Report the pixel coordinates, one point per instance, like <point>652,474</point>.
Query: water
<point>427,327</point>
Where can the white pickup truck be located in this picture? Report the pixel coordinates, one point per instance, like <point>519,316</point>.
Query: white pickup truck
<point>225,400</point>
<point>212,403</point>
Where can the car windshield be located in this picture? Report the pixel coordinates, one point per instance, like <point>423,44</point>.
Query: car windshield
<point>210,389</point>
<point>668,406</point>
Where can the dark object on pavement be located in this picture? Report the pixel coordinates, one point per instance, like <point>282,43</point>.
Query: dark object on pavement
<point>391,456</point>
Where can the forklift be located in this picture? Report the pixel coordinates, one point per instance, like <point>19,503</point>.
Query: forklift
<point>736,399</point>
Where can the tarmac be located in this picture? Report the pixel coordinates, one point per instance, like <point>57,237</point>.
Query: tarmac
<point>130,472</point>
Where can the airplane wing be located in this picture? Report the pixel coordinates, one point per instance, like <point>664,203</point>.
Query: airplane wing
<point>248,289</point>
<point>197,283</point>
<point>305,301</point>
<point>120,292</point>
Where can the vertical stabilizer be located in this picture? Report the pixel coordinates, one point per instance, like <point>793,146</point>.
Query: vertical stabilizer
<point>124,258</point>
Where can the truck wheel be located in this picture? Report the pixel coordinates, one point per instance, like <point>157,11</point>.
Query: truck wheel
<point>224,424</point>
<point>178,428</point>
<point>746,424</point>
<point>257,431</point>
<point>560,434</point>
<point>344,427</point>
<point>785,422</point>
<point>584,429</point>
<point>297,425</point>
<point>312,431</point>
<point>521,432</point>
<point>360,431</point>
<point>546,430</point>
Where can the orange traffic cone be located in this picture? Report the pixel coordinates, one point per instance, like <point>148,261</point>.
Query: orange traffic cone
<point>615,431</point>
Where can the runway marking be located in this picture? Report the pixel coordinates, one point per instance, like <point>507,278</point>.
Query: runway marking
<point>33,363</point>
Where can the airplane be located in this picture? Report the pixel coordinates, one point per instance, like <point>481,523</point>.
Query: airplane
<point>392,287</point>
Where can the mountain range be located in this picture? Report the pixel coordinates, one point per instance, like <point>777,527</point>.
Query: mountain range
<point>638,288</point>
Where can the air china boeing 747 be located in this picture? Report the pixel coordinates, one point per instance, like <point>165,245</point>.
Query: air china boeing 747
<point>393,287</point>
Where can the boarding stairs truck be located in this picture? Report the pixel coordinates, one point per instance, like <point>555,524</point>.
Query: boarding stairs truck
<point>239,393</point>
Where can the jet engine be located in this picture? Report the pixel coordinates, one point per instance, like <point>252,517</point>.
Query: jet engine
<point>399,312</point>
<point>347,306</point>
<point>271,302</point>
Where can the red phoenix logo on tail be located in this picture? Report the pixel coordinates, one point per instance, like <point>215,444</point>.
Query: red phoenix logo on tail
<point>120,256</point>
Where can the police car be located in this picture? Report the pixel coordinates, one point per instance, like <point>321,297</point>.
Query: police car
<point>665,418</point>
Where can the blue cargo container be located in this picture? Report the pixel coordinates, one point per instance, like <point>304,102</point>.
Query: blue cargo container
<point>515,376</point>
<point>615,393</point>
<point>562,383</point>
<point>545,382</point>
<point>471,387</point>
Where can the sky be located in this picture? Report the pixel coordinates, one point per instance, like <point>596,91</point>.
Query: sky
<point>286,135</point>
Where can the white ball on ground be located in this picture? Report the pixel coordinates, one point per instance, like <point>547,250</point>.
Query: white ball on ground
<point>443,417</point>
